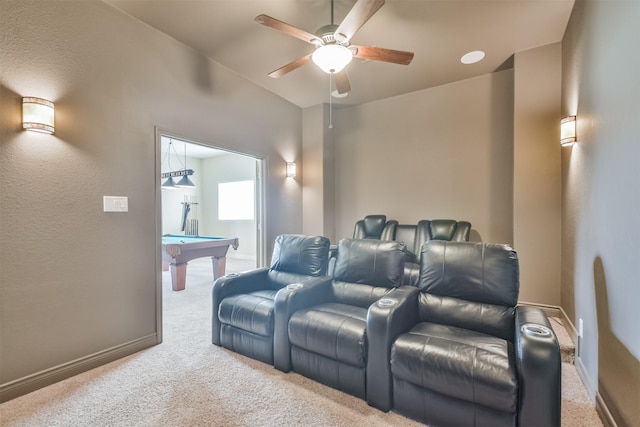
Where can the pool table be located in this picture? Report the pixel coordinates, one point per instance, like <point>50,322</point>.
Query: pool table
<point>178,250</point>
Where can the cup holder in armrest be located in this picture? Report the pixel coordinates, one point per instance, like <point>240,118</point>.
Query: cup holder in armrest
<point>231,275</point>
<point>294,286</point>
<point>535,330</point>
<point>387,302</point>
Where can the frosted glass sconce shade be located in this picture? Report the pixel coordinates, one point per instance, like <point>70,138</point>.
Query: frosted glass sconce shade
<point>291,170</point>
<point>38,115</point>
<point>568,130</point>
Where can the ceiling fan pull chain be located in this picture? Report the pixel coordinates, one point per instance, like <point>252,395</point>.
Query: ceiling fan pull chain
<point>330,102</point>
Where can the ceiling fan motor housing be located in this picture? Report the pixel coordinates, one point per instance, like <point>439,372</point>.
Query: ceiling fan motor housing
<point>328,35</point>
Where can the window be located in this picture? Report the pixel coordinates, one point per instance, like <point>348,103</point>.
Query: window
<point>236,200</point>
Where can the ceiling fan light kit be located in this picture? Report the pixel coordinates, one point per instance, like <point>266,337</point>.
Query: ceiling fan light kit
<point>332,58</point>
<point>333,51</point>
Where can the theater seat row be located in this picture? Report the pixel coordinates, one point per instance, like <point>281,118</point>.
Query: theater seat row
<point>453,350</point>
<point>413,236</point>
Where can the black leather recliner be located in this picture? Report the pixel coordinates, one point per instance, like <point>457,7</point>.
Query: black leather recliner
<point>327,337</point>
<point>243,304</point>
<point>375,227</point>
<point>460,351</point>
<point>414,236</point>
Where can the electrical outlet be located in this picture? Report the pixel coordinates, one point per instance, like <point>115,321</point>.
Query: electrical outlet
<point>580,328</point>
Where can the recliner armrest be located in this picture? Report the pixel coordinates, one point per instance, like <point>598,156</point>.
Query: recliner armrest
<point>387,318</point>
<point>539,369</point>
<point>291,298</point>
<point>232,284</point>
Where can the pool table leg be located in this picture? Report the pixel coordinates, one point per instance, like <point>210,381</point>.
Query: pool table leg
<point>178,276</point>
<point>219,266</point>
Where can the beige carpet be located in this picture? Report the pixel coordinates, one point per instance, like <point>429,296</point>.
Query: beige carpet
<point>186,381</point>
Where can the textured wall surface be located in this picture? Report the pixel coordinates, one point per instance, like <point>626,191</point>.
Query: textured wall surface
<point>445,152</point>
<point>601,199</point>
<point>536,172</point>
<point>76,281</point>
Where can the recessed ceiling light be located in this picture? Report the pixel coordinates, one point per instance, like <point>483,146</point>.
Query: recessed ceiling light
<point>336,94</point>
<point>472,57</point>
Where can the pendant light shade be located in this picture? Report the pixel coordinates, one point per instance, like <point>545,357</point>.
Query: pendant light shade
<point>185,182</point>
<point>169,184</point>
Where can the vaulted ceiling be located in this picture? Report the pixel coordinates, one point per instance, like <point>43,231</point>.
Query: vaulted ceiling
<point>439,32</point>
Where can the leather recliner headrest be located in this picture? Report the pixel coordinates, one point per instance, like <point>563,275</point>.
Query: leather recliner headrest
<point>480,272</point>
<point>442,229</point>
<point>307,255</point>
<point>373,226</point>
<point>371,262</point>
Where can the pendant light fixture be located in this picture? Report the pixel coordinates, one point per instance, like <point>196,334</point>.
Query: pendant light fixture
<point>184,182</point>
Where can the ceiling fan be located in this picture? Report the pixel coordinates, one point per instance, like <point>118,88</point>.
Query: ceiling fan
<point>333,51</point>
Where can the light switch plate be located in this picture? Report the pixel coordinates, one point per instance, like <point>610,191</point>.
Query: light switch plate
<point>116,203</point>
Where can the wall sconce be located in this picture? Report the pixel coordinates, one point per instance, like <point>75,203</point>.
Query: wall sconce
<point>568,130</point>
<point>38,115</point>
<point>291,170</point>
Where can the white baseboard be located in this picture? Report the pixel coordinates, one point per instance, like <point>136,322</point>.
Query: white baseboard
<point>569,326</point>
<point>589,384</point>
<point>592,390</point>
<point>33,382</point>
<point>603,412</point>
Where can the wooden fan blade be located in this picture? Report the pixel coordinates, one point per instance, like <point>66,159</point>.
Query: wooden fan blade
<point>290,67</point>
<point>290,30</point>
<point>342,82</point>
<point>357,16</point>
<point>382,54</point>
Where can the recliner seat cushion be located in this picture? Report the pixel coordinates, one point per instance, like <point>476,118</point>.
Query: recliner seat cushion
<point>332,330</point>
<point>458,363</point>
<point>251,312</point>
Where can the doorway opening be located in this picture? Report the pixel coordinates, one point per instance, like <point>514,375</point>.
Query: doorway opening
<point>223,197</point>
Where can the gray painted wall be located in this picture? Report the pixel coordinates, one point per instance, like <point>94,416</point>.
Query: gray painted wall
<point>319,182</point>
<point>601,199</point>
<point>445,152</point>
<point>75,281</point>
<point>458,151</point>
<point>81,281</point>
<point>536,172</point>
